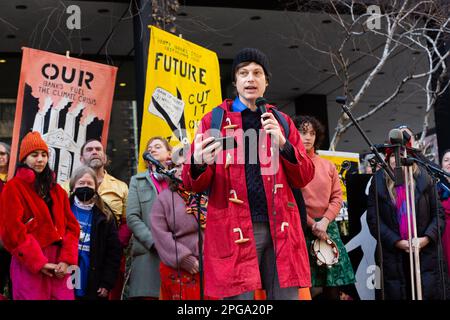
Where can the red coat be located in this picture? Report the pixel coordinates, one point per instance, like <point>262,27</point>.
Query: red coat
<point>232,268</point>
<point>26,225</point>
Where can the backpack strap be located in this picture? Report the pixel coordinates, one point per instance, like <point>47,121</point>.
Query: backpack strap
<point>282,120</point>
<point>217,118</point>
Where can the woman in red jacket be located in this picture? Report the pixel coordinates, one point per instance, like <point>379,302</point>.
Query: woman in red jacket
<point>37,227</point>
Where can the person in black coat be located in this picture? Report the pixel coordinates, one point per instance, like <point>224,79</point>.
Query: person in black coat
<point>99,247</point>
<point>394,238</point>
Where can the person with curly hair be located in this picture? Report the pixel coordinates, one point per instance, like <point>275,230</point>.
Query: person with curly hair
<point>323,200</point>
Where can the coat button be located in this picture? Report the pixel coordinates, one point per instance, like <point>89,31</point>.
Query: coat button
<point>241,237</point>
<point>20,254</point>
<point>235,198</point>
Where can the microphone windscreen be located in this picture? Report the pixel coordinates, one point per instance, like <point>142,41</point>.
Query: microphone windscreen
<point>145,155</point>
<point>260,101</point>
<point>341,100</point>
<point>396,136</point>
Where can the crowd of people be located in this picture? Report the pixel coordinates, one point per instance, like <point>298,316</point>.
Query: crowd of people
<point>209,222</point>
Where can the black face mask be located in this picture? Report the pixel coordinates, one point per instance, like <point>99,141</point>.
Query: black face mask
<point>84,193</point>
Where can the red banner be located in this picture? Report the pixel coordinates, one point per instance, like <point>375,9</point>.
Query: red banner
<point>67,100</point>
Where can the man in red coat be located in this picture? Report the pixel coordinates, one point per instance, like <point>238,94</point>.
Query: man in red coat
<point>253,237</point>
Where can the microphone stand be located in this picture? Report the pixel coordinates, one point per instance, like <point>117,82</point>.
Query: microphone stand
<point>413,240</point>
<point>432,170</point>
<point>342,101</point>
<point>436,174</point>
<point>373,149</point>
<point>171,176</point>
<point>198,197</point>
<point>443,186</point>
<point>168,174</point>
<point>377,210</point>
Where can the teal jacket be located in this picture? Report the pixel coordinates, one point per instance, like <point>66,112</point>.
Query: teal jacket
<point>144,275</point>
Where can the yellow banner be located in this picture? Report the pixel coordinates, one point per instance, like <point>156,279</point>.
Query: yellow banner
<point>345,162</point>
<point>183,83</point>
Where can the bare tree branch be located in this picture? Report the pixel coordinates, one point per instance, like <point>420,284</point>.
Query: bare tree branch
<point>410,25</point>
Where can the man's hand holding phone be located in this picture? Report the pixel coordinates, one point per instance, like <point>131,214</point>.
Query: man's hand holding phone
<point>205,151</point>
<point>227,142</point>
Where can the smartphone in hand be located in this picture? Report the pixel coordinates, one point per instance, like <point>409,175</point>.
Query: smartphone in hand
<point>227,142</point>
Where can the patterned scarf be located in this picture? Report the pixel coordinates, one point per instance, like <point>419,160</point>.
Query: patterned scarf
<point>402,217</point>
<point>190,198</point>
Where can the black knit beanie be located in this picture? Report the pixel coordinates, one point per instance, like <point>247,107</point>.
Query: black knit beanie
<point>250,55</point>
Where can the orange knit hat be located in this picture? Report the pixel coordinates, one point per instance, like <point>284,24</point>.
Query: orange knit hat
<point>31,142</point>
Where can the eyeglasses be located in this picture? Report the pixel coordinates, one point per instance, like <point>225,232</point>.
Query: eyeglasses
<point>3,153</point>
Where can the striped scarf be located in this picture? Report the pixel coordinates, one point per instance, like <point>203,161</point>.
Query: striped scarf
<point>402,217</point>
<point>190,198</point>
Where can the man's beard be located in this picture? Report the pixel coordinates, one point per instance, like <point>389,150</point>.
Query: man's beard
<point>96,163</point>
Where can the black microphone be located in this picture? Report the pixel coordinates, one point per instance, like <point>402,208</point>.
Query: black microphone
<point>341,99</point>
<point>396,138</point>
<point>261,104</point>
<point>345,166</point>
<point>147,156</point>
